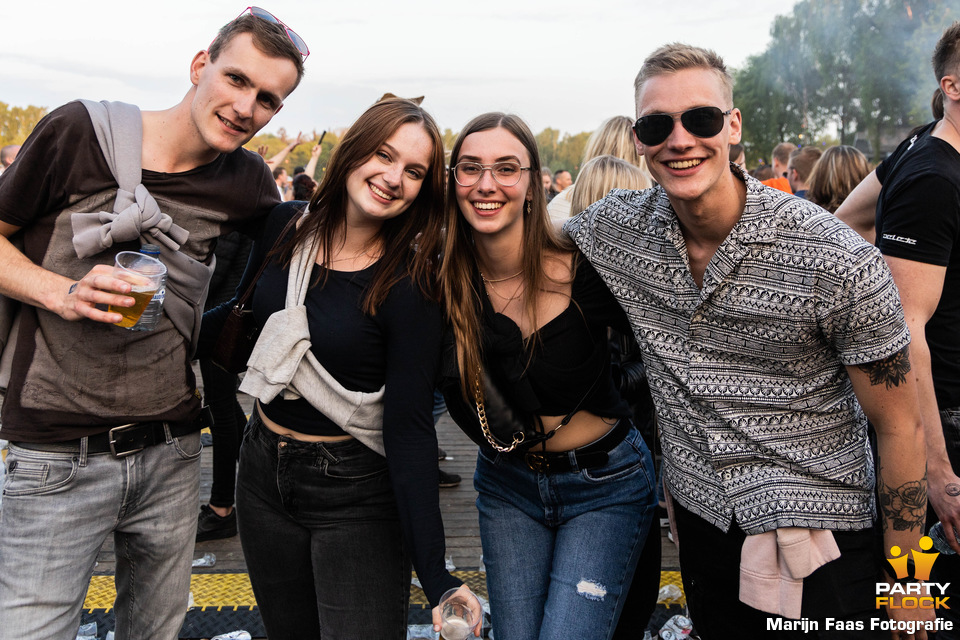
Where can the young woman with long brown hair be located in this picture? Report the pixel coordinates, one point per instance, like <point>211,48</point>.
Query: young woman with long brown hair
<point>564,513</point>
<point>338,475</point>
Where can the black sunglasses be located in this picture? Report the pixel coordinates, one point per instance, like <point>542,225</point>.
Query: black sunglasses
<point>703,122</point>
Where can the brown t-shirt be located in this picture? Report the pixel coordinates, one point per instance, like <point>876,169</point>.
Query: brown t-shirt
<point>72,379</point>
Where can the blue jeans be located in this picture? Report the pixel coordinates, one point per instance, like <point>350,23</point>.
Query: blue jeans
<point>321,536</point>
<point>59,508</point>
<point>560,549</point>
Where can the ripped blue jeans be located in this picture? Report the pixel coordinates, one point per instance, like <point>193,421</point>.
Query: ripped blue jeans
<point>560,549</point>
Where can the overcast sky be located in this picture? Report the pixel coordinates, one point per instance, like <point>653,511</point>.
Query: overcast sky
<point>568,65</point>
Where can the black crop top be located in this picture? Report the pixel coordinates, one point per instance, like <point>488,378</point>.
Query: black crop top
<point>570,365</point>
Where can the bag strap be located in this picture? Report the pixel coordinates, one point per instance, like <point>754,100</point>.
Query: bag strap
<point>569,416</point>
<point>519,437</point>
<point>245,298</point>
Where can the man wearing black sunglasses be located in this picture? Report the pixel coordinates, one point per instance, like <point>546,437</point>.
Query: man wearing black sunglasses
<point>765,326</point>
<point>104,422</point>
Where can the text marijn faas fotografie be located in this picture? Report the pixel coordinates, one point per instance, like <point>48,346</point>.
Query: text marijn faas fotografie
<point>919,595</point>
<point>876,624</point>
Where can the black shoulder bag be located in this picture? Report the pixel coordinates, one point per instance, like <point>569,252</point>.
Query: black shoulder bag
<point>240,330</point>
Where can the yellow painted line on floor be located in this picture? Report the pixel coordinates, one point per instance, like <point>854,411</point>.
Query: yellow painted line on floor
<point>230,591</point>
<point>209,590</point>
<point>673,577</point>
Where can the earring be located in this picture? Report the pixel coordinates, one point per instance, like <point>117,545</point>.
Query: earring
<point>529,207</point>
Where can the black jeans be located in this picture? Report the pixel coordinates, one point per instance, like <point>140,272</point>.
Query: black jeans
<point>321,537</point>
<point>220,393</point>
<point>844,589</point>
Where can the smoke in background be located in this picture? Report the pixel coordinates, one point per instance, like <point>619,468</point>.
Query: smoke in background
<point>848,71</point>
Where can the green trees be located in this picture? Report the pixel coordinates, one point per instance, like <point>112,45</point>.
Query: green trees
<point>853,67</point>
<point>561,153</point>
<point>16,123</point>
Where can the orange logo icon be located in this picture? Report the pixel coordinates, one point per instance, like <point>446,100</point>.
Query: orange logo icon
<point>922,562</point>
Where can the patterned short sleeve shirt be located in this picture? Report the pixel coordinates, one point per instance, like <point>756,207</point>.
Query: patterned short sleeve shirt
<point>757,414</point>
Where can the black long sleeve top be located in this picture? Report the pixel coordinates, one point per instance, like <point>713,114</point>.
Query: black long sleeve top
<point>398,348</point>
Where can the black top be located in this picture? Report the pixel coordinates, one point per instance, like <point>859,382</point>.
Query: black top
<point>918,218</point>
<point>567,368</point>
<point>398,347</point>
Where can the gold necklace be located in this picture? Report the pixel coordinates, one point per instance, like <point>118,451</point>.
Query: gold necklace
<point>356,256</point>
<point>364,252</point>
<point>488,280</point>
<point>516,292</point>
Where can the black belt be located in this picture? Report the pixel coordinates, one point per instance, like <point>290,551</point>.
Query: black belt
<point>590,456</point>
<point>123,440</point>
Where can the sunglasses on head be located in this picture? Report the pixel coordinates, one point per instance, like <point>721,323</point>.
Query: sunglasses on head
<point>297,41</point>
<point>703,122</point>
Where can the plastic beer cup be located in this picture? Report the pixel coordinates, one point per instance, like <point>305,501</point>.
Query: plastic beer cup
<point>460,614</point>
<point>145,274</point>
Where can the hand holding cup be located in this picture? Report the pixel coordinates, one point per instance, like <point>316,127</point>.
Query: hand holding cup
<point>461,614</point>
<point>145,275</point>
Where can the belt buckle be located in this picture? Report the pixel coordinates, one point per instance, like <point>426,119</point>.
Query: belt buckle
<point>537,462</point>
<point>113,441</point>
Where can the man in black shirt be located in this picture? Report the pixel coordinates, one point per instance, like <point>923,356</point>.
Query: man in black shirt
<point>916,196</point>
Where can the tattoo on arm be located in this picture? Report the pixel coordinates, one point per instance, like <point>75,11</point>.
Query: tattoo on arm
<point>889,371</point>
<point>904,507</point>
<point>953,489</point>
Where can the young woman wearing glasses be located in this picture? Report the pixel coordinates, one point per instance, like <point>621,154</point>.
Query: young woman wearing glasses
<point>331,505</point>
<point>564,513</point>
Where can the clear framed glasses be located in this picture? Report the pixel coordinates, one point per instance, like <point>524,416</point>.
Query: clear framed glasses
<point>263,14</point>
<point>506,174</point>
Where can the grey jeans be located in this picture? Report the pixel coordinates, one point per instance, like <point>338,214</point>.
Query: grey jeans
<point>59,508</point>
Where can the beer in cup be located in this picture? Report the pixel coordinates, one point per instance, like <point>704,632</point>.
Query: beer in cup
<point>460,613</point>
<point>146,275</point>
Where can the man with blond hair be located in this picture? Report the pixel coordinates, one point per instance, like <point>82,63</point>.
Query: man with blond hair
<point>104,422</point>
<point>765,325</point>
